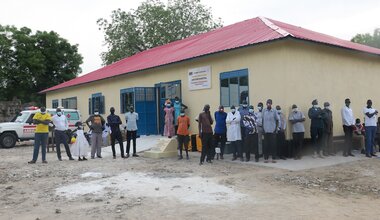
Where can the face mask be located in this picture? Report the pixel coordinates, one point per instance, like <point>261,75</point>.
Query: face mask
<point>59,113</point>
<point>96,113</point>
<point>327,107</point>
<point>177,102</point>
<point>182,114</point>
<point>168,106</point>
<point>244,106</point>
<point>279,111</point>
<point>315,106</point>
<point>295,109</point>
<point>250,110</point>
<point>233,110</point>
<point>259,108</point>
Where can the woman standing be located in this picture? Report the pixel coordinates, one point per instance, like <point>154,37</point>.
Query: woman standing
<point>234,133</point>
<point>169,118</point>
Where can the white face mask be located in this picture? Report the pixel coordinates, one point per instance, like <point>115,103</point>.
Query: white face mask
<point>295,109</point>
<point>279,111</point>
<point>233,110</point>
<point>245,106</point>
<point>59,113</point>
<point>96,113</point>
<point>259,108</point>
<point>250,110</point>
<point>182,114</point>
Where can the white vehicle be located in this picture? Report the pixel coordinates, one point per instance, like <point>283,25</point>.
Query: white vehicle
<point>21,128</point>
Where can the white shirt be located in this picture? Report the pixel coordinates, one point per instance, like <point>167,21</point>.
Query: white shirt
<point>60,122</point>
<point>347,116</point>
<point>369,121</point>
<point>131,119</point>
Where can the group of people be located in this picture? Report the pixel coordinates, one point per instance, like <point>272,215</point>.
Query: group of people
<point>262,132</point>
<point>80,147</point>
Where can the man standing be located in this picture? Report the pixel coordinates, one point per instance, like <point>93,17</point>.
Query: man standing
<point>114,122</point>
<point>328,148</point>
<point>131,118</point>
<point>234,134</point>
<point>61,125</point>
<point>251,142</point>
<point>220,131</point>
<point>183,134</point>
<point>270,126</point>
<point>259,123</point>
<point>96,124</point>
<point>205,133</point>
<point>178,106</point>
<point>370,120</point>
<point>281,142</point>
<point>297,118</point>
<point>42,120</point>
<point>316,128</point>
<point>348,124</point>
<point>243,110</point>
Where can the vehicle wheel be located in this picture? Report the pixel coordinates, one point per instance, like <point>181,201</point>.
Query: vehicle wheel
<point>8,140</point>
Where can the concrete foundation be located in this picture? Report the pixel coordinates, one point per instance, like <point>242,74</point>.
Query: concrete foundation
<point>164,148</point>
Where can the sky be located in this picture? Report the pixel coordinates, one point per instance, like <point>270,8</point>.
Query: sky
<point>75,20</point>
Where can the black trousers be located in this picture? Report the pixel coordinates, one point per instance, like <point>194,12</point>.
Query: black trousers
<point>281,145</point>
<point>61,138</point>
<point>347,139</point>
<point>116,135</point>
<point>251,144</point>
<point>131,135</point>
<point>316,138</point>
<point>298,143</point>
<point>269,145</point>
<point>206,145</point>
<point>222,138</point>
<point>183,141</point>
<point>237,149</point>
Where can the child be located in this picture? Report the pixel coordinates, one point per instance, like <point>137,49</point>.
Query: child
<point>80,147</point>
<point>183,134</point>
<point>358,135</point>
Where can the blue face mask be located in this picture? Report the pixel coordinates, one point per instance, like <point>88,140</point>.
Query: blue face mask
<point>59,113</point>
<point>250,110</point>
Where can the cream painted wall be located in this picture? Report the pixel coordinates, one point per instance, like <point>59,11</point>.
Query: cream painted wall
<point>286,71</point>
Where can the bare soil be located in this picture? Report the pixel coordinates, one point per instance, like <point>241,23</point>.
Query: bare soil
<point>144,188</point>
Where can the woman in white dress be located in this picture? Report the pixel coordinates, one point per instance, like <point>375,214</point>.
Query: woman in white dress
<point>80,147</point>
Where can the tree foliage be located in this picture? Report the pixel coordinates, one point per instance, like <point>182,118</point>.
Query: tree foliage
<point>368,39</point>
<point>31,62</point>
<point>153,24</point>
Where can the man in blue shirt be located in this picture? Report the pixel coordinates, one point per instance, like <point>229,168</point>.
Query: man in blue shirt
<point>114,122</point>
<point>316,128</point>
<point>220,129</point>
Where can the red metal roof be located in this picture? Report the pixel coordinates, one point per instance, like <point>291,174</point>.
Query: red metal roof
<point>249,32</point>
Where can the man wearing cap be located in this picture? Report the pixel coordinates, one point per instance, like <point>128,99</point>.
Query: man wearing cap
<point>328,148</point>
<point>370,121</point>
<point>297,118</point>
<point>220,130</point>
<point>96,124</point>
<point>61,126</point>
<point>270,126</point>
<point>348,125</point>
<point>316,128</point>
<point>281,141</point>
<point>205,133</point>
<point>41,120</point>
<point>114,122</point>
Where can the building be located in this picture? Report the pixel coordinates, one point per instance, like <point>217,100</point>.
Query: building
<point>254,60</point>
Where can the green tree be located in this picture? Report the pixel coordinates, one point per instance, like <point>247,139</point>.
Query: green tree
<point>368,39</point>
<point>153,24</point>
<point>31,62</point>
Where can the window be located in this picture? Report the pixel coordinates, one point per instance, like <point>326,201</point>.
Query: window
<point>96,102</point>
<point>69,103</point>
<point>54,103</point>
<point>126,99</point>
<point>234,87</point>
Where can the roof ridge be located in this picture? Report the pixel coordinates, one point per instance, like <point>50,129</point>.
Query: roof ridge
<point>274,27</point>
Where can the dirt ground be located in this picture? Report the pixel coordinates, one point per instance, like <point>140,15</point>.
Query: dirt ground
<point>144,188</point>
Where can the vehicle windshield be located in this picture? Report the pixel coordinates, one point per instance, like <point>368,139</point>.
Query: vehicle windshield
<point>22,117</point>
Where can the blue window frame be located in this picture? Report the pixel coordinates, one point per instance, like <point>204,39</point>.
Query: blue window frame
<point>234,87</point>
<point>97,101</point>
<point>69,103</point>
<point>127,99</point>
<point>54,103</point>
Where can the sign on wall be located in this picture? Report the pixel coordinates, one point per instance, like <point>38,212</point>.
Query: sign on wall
<point>200,78</point>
